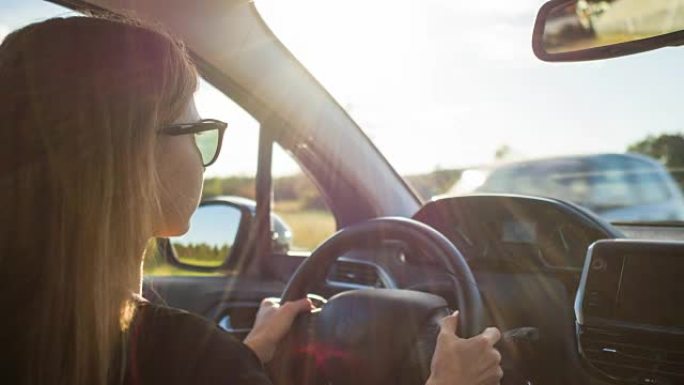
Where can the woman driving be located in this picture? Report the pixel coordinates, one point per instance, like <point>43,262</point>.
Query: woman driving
<point>102,150</point>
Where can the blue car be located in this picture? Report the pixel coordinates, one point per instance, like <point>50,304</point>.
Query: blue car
<point>617,187</point>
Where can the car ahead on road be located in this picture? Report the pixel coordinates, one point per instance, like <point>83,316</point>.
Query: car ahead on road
<point>577,304</point>
<point>618,187</point>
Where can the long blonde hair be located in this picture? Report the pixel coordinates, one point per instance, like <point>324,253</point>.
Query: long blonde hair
<point>81,100</point>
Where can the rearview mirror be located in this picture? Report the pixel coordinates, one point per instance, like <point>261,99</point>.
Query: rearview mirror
<point>576,30</point>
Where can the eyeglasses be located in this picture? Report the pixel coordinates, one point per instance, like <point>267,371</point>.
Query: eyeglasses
<point>208,134</point>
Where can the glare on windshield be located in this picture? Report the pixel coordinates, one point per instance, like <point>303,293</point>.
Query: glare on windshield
<point>447,89</point>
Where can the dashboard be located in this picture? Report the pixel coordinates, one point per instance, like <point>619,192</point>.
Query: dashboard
<point>529,257</point>
<point>496,233</point>
<point>510,230</point>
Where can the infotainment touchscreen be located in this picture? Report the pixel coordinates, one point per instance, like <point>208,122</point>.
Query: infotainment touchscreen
<point>635,282</point>
<point>651,290</point>
<point>630,311</point>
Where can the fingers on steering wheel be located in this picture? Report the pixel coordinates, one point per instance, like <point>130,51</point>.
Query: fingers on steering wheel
<point>492,335</point>
<point>270,302</point>
<point>294,306</point>
<point>449,324</point>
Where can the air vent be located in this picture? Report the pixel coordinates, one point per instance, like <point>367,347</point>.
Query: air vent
<point>355,273</point>
<point>633,363</point>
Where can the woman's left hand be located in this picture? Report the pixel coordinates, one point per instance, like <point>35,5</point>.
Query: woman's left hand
<point>272,322</point>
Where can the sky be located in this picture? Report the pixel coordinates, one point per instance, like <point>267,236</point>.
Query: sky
<point>445,83</point>
<point>216,226</point>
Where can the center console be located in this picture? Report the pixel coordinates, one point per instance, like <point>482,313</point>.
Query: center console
<point>630,312</point>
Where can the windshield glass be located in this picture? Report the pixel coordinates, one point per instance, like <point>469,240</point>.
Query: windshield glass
<point>451,93</point>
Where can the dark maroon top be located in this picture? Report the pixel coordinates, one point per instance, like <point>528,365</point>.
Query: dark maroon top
<point>173,347</point>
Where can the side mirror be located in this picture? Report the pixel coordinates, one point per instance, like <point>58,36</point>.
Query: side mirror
<point>218,231</point>
<point>577,30</point>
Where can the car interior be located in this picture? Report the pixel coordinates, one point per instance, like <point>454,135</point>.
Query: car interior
<point>579,300</point>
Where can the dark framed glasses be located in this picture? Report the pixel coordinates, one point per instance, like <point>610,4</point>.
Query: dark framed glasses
<point>208,134</point>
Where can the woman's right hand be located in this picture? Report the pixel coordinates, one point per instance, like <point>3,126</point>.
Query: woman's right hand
<point>465,361</point>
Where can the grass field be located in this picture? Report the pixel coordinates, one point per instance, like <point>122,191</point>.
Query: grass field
<point>166,269</point>
<point>309,227</point>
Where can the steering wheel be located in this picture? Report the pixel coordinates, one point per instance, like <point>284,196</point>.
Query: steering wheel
<point>373,336</point>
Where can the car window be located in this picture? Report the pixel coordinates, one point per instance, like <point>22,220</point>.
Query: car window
<point>445,87</point>
<point>625,182</point>
<point>300,205</point>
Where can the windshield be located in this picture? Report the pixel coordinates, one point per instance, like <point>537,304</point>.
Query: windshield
<point>453,96</point>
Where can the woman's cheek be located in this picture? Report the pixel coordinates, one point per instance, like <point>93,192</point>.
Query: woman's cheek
<point>189,181</point>
<point>196,175</point>
<point>180,172</point>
